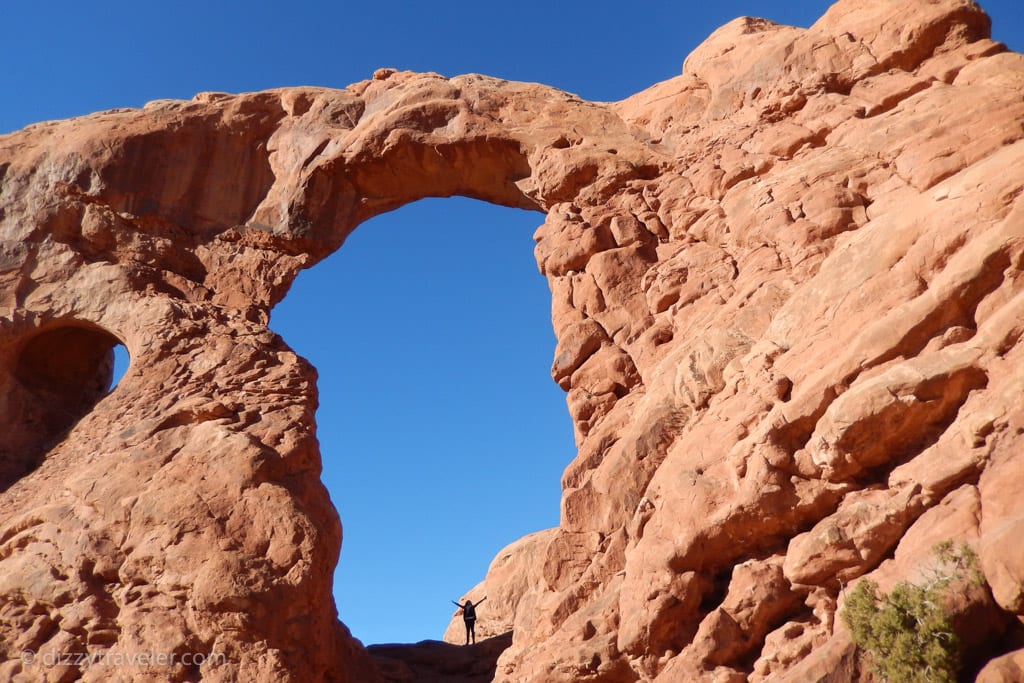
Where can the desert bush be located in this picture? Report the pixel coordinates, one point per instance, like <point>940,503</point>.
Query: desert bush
<point>909,632</point>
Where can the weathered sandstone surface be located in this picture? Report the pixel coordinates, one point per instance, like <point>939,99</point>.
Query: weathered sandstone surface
<point>788,297</point>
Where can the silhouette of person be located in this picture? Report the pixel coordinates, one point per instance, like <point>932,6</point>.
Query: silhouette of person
<point>469,617</point>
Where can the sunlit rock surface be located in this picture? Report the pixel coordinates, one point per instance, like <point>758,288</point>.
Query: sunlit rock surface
<point>787,292</point>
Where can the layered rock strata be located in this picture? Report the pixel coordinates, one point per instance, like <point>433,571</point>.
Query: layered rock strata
<point>786,287</point>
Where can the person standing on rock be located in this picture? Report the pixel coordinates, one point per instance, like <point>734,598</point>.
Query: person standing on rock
<point>469,616</point>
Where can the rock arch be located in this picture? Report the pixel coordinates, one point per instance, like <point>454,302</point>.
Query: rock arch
<point>783,297</point>
<point>210,452</point>
<point>53,377</point>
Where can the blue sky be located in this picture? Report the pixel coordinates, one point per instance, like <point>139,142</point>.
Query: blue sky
<point>443,436</point>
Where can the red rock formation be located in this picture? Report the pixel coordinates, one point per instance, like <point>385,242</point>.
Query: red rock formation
<point>787,292</point>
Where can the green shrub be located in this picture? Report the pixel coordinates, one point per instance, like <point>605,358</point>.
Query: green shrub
<point>908,632</point>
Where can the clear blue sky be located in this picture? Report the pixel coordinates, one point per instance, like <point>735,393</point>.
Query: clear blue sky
<point>442,435</point>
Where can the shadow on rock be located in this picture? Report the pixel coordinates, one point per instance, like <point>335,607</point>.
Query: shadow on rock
<point>432,661</point>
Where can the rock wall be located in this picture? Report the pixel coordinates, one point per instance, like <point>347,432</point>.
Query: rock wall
<point>786,287</point>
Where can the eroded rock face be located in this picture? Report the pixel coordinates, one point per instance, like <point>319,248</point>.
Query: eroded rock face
<point>787,292</point>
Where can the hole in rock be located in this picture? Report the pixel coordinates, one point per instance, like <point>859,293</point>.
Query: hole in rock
<point>56,377</point>
<point>121,362</point>
<point>442,434</point>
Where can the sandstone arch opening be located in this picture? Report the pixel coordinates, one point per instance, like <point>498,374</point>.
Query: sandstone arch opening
<point>55,377</point>
<point>442,434</point>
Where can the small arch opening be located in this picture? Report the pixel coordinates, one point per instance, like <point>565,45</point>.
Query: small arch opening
<point>121,362</point>
<point>56,377</point>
